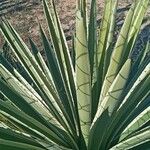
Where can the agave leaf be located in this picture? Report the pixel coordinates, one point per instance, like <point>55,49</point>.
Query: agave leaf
<point>104,31</point>
<point>18,72</point>
<point>97,131</point>
<point>7,134</point>
<point>134,121</point>
<point>66,53</point>
<point>145,53</point>
<point>132,115</point>
<point>51,105</point>
<point>13,44</point>
<point>28,124</point>
<point>24,138</point>
<point>24,134</point>
<point>36,52</point>
<point>37,74</point>
<point>132,142</point>
<point>110,36</point>
<point>137,19</point>
<point>24,55</point>
<point>15,73</point>
<point>62,51</point>
<point>120,118</point>
<point>53,65</point>
<point>69,68</point>
<point>116,55</point>
<point>92,35</point>
<point>11,145</point>
<point>145,146</point>
<point>58,80</point>
<point>134,76</point>
<point>37,127</point>
<point>142,56</point>
<point>41,61</point>
<point>30,111</point>
<point>92,46</point>
<point>83,77</point>
<point>112,22</point>
<point>106,34</point>
<point>28,96</point>
<point>135,27</point>
<point>115,62</point>
<point>112,97</point>
<point>141,77</point>
<point>6,123</point>
<point>103,51</point>
<point>101,48</point>
<point>73,53</point>
<point>56,34</point>
<point>54,29</point>
<point>138,122</point>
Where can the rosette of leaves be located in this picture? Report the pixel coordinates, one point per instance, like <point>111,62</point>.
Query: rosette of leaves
<point>95,98</point>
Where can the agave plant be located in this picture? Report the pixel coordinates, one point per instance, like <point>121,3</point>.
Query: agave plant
<point>92,98</point>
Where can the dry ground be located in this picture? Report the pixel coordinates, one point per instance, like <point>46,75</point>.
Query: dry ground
<point>26,20</point>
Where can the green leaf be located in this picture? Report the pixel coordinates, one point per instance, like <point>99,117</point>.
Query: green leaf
<point>32,124</point>
<point>58,47</point>
<point>11,145</point>
<point>8,134</point>
<point>97,131</point>
<point>41,61</point>
<point>116,89</point>
<point>137,19</point>
<point>134,141</point>
<point>115,62</point>
<point>95,99</point>
<point>30,101</point>
<point>92,35</point>
<point>83,76</point>
<point>140,120</point>
<point>121,118</point>
<point>104,29</point>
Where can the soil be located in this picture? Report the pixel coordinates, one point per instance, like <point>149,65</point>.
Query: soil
<point>25,20</point>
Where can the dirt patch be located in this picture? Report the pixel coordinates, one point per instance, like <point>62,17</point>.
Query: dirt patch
<point>26,20</point>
